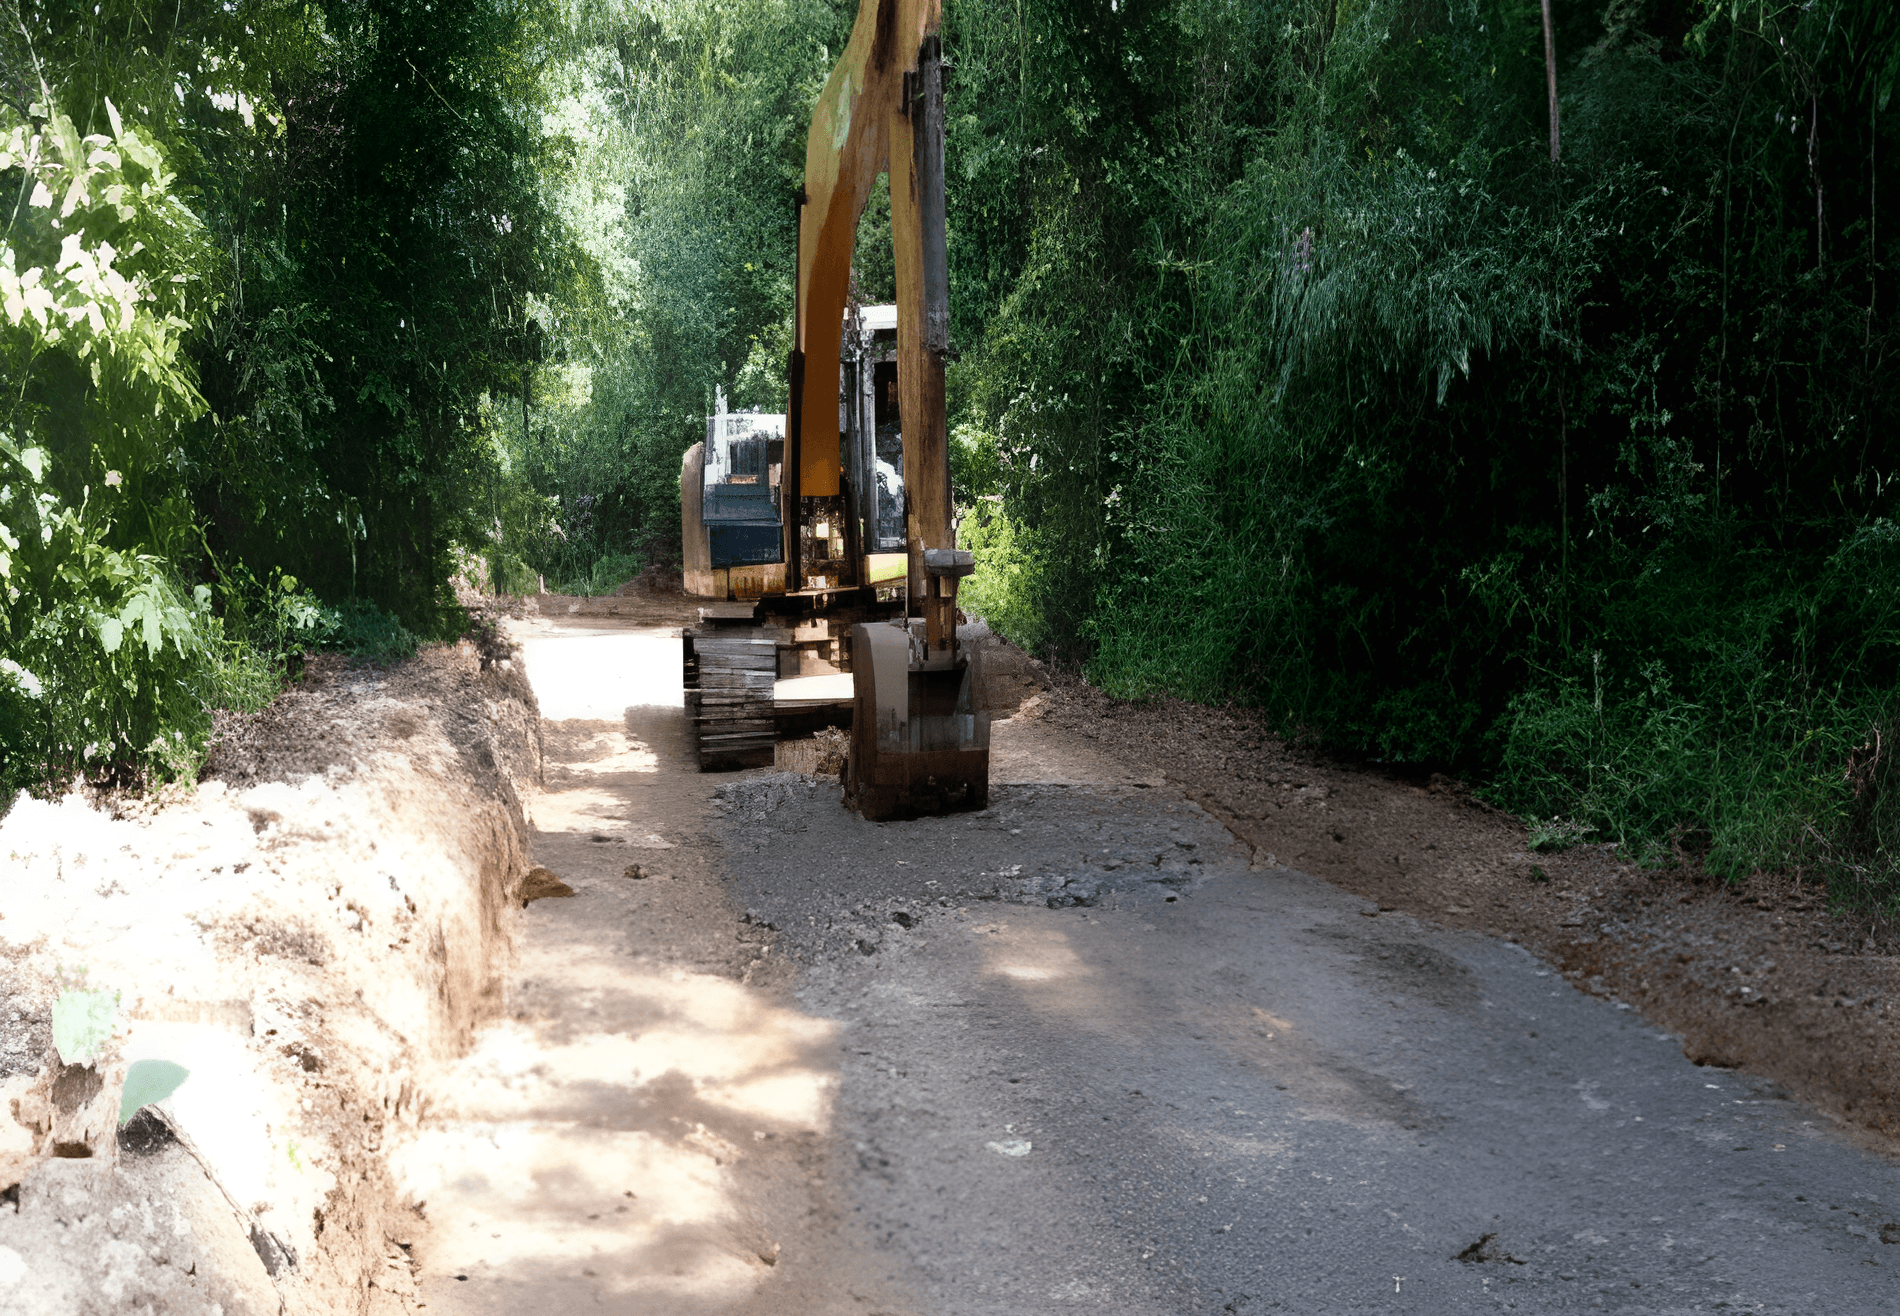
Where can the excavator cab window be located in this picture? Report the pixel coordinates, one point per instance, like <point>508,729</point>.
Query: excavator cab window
<point>748,461</point>
<point>884,386</point>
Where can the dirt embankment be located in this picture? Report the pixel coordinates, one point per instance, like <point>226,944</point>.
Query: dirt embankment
<point>322,918</point>
<point>1760,975</point>
<point>655,597</point>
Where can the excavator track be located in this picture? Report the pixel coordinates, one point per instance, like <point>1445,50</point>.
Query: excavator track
<point>729,674</point>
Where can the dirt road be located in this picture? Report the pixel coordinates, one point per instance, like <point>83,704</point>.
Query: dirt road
<point>1068,1053</point>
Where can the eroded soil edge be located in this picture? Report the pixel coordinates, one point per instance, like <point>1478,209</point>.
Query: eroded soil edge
<point>324,917</point>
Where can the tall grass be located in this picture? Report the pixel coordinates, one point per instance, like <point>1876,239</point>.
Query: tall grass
<point>608,573</point>
<point>1738,713</point>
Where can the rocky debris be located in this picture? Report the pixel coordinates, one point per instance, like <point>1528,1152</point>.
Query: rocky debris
<point>1115,847</point>
<point>152,1235</point>
<point>543,884</point>
<point>26,1024</point>
<point>832,746</point>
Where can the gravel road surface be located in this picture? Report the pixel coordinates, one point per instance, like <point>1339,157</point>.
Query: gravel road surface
<point>1072,1053</point>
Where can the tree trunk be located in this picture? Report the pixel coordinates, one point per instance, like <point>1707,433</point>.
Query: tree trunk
<point>1550,77</point>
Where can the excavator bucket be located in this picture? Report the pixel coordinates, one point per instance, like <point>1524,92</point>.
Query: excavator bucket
<point>920,742</point>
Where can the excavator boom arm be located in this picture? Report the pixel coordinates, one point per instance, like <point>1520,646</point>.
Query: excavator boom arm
<point>880,109</point>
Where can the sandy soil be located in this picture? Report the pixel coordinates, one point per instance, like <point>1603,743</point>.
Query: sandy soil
<point>653,598</point>
<point>305,933</point>
<point>1761,975</point>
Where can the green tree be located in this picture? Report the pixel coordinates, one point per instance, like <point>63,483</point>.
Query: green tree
<point>110,661</point>
<point>265,262</point>
<point>677,145</point>
<point>387,240</point>
<point>1308,380</point>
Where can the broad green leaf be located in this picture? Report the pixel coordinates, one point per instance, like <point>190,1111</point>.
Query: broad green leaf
<point>148,1081</point>
<point>140,152</point>
<point>82,1021</point>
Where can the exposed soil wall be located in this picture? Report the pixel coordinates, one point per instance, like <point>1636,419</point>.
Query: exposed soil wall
<point>323,918</point>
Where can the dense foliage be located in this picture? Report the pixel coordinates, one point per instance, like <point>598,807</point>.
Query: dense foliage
<point>1306,378</point>
<point>676,144</point>
<point>108,653</point>
<point>385,236</point>
<point>263,262</point>
<point>1294,371</point>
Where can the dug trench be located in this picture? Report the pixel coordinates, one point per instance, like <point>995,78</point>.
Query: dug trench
<point>308,934</point>
<point>741,1051</point>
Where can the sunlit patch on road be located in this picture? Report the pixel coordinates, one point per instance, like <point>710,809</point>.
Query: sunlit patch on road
<point>1035,955</point>
<point>606,754</point>
<point>603,1141</point>
<point>599,675</point>
<point>552,1152</point>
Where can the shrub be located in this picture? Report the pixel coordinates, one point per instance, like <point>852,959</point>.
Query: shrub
<point>366,633</point>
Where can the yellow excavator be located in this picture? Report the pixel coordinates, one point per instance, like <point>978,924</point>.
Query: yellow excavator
<point>851,613</point>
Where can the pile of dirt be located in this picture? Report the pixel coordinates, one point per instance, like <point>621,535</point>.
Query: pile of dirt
<point>1011,681</point>
<point>323,917</point>
<point>1761,975</point>
<point>339,716</point>
<point>655,597</point>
